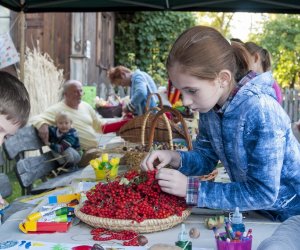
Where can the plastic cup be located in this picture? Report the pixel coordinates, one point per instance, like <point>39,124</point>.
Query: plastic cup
<point>244,244</point>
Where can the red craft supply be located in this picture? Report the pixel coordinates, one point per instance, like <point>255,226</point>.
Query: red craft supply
<point>44,227</point>
<point>173,93</point>
<point>83,247</point>
<point>114,126</point>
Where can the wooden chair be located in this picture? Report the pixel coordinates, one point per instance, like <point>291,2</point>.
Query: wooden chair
<point>29,169</point>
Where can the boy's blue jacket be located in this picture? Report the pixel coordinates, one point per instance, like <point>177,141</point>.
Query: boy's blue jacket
<point>59,142</point>
<point>254,141</point>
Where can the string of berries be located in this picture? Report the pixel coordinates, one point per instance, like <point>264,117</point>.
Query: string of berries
<point>129,238</point>
<point>136,196</point>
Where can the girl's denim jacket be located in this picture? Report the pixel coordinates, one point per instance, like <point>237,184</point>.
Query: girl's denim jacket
<point>254,141</point>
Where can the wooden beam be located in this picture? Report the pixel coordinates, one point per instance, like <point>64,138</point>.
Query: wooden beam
<point>22,46</point>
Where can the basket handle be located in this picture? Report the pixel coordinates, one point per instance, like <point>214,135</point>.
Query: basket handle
<point>149,100</point>
<point>179,116</point>
<point>165,118</point>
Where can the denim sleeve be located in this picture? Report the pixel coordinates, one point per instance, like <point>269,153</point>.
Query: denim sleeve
<point>264,143</point>
<point>139,91</point>
<point>202,159</point>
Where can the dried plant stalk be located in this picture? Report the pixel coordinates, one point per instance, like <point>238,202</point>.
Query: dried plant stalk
<point>43,80</point>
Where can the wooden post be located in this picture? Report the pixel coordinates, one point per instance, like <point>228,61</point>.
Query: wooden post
<point>22,46</point>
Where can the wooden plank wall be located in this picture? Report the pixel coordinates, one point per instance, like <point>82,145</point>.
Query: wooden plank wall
<point>53,33</point>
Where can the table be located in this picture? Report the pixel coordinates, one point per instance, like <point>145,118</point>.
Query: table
<point>80,233</point>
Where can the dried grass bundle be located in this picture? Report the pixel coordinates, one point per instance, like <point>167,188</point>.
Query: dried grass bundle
<point>43,80</point>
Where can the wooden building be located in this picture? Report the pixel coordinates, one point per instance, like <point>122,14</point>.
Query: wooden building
<point>79,43</point>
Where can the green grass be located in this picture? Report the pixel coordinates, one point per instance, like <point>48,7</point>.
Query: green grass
<point>16,188</point>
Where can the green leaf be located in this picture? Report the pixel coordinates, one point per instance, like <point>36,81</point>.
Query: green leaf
<point>148,37</point>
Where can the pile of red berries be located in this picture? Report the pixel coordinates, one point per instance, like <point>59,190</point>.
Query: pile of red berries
<point>136,197</point>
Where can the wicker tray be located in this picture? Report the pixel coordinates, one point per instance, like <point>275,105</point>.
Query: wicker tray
<point>147,226</point>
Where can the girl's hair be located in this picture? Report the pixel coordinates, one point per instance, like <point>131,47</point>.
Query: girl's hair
<point>14,99</point>
<point>264,54</point>
<point>115,74</point>
<point>203,52</point>
<point>62,115</point>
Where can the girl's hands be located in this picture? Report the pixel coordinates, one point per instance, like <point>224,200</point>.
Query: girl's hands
<point>172,182</point>
<point>163,157</point>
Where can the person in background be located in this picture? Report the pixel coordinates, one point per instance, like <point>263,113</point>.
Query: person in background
<point>85,120</point>
<point>14,114</point>
<point>141,86</point>
<point>64,142</point>
<point>241,124</point>
<point>261,62</point>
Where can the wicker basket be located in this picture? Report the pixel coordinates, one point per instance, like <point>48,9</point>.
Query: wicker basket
<point>134,157</point>
<point>147,226</point>
<point>209,177</point>
<point>132,130</point>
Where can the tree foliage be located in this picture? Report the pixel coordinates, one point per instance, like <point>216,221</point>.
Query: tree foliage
<point>143,39</point>
<point>282,38</point>
<point>219,20</point>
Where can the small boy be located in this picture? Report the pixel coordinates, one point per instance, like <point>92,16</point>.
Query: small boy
<point>14,105</point>
<point>14,111</point>
<point>64,142</point>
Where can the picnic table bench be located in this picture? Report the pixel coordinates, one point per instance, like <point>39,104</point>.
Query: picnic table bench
<point>28,168</point>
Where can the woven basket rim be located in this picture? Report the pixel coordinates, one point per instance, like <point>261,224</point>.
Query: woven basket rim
<point>146,226</point>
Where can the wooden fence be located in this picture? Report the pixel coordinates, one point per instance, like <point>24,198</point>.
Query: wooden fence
<point>291,103</point>
<point>7,165</point>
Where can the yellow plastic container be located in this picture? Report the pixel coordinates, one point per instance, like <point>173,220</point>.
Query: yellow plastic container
<point>103,174</point>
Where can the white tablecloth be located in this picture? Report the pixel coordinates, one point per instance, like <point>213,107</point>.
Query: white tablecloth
<point>80,233</point>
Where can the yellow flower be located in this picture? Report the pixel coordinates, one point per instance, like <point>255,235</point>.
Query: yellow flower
<point>177,104</point>
<point>114,161</point>
<point>105,157</point>
<point>94,163</point>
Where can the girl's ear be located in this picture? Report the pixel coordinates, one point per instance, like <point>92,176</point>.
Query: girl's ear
<point>225,78</point>
<point>256,58</point>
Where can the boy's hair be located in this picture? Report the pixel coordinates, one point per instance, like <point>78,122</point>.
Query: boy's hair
<point>14,99</point>
<point>265,57</point>
<point>203,52</point>
<point>64,115</point>
<point>115,74</point>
